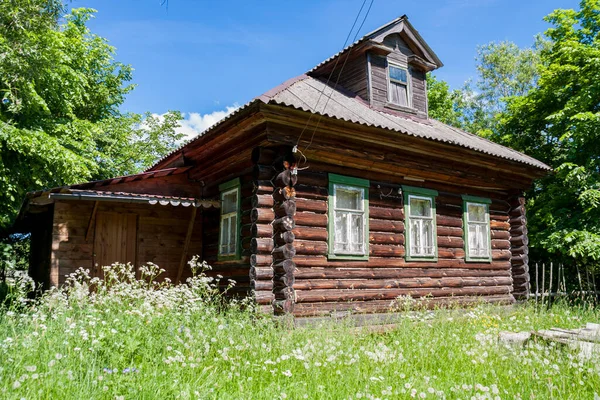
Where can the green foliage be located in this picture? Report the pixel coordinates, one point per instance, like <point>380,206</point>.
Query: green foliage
<point>60,97</point>
<point>558,122</point>
<point>133,338</point>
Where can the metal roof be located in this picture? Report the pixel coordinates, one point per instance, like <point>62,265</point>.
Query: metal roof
<point>303,94</point>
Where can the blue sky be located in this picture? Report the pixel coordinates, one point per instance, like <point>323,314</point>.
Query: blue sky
<point>206,57</point>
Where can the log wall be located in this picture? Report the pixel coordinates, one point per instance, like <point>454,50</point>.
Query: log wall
<point>519,247</point>
<point>323,285</point>
<point>161,233</point>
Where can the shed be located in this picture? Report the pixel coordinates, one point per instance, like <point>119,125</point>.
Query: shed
<point>332,192</point>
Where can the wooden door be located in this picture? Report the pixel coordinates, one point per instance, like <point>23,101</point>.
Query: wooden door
<point>115,240</point>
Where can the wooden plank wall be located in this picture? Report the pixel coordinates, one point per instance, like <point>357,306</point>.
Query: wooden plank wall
<point>323,286</point>
<point>354,76</point>
<point>161,236</point>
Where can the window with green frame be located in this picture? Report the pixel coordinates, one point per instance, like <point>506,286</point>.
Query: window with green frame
<point>229,232</point>
<point>348,218</point>
<point>477,231</point>
<point>420,227</point>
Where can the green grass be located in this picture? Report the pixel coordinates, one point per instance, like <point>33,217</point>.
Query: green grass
<point>125,341</point>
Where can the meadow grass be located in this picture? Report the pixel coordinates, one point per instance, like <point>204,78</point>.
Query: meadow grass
<point>134,340</point>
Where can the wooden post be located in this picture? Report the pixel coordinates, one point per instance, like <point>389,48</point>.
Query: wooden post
<point>91,221</point>
<point>543,283</point>
<point>537,284</point>
<point>186,246</point>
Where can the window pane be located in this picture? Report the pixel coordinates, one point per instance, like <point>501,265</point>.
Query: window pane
<point>356,232</point>
<point>398,74</point>
<point>478,240</point>
<point>348,199</point>
<point>428,237</point>
<point>341,231</point>
<point>224,236</point>
<point>420,207</point>
<point>229,202</point>
<point>398,94</point>
<point>476,212</point>
<point>232,233</point>
<point>416,239</point>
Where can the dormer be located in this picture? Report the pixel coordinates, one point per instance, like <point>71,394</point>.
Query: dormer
<point>386,68</point>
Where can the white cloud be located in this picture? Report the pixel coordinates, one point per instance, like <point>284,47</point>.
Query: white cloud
<point>194,124</point>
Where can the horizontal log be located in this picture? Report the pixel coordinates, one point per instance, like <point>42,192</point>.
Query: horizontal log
<point>450,241</point>
<point>283,224</point>
<point>449,231</point>
<point>500,225</point>
<point>310,233</point>
<point>263,155</point>
<point>395,273</point>
<point>519,259</point>
<point>444,252</point>
<point>380,306</point>
<point>517,211</point>
<point>313,178</point>
<point>263,172</point>
<point>261,285</point>
<point>381,225</point>
<point>311,192</point>
<point>260,260</point>
<point>285,208</point>
<point>386,250</point>
<point>262,200</point>
<point>520,269</point>
<point>518,241</point>
<point>283,238</point>
<point>500,234</point>
<point>263,297</point>
<point>284,267</point>
<point>396,262</point>
<point>444,220</point>
<point>386,238</point>
<point>261,245</point>
<point>257,187</point>
<point>521,220</point>
<point>311,219</point>
<point>283,306</point>
<point>261,230</point>
<point>519,250</point>
<point>518,230</point>
<point>310,247</point>
<point>309,296</point>
<point>395,214</point>
<point>500,244</point>
<point>285,252</point>
<point>262,215</point>
<point>261,273</point>
<point>312,205</point>
<point>501,255</point>
<point>283,281</point>
<point>359,284</point>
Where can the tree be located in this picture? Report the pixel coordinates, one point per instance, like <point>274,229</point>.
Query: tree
<point>60,97</point>
<point>558,122</point>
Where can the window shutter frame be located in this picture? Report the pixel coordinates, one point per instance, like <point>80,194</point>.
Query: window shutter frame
<point>481,201</point>
<point>411,191</point>
<point>225,188</point>
<point>355,183</point>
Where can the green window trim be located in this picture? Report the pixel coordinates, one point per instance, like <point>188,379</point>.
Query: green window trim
<point>356,183</point>
<point>479,201</point>
<point>226,187</point>
<point>411,191</point>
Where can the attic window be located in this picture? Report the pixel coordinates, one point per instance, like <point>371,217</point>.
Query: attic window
<point>398,85</point>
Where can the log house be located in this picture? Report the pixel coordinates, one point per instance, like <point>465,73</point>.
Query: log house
<point>313,207</point>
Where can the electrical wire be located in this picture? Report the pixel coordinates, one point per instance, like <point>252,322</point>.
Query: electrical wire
<point>339,76</point>
<point>333,70</point>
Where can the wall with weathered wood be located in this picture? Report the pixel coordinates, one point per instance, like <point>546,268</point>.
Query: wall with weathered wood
<point>399,55</point>
<point>353,76</point>
<point>323,285</point>
<point>161,236</point>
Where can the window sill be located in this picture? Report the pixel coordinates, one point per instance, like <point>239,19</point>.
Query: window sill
<point>478,260</point>
<point>397,107</point>
<point>424,258</point>
<point>354,257</point>
<point>230,257</point>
